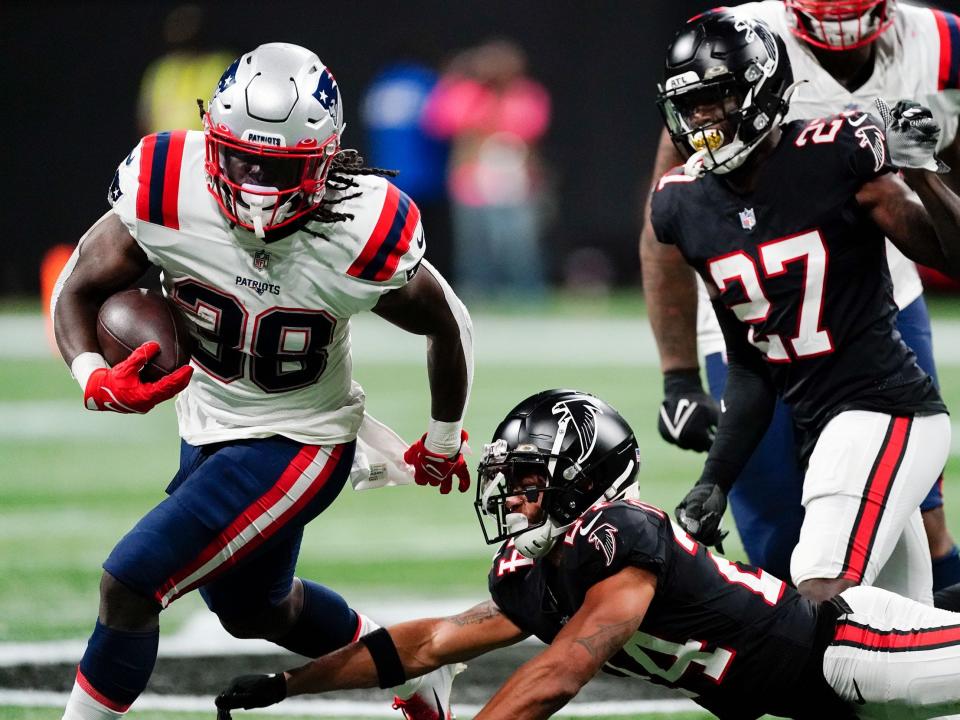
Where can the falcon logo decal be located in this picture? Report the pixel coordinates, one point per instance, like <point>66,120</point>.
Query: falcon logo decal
<point>581,414</point>
<point>872,137</point>
<point>604,539</point>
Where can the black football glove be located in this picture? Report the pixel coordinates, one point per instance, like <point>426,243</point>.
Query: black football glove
<point>688,415</point>
<point>912,135</point>
<point>251,691</point>
<point>701,512</point>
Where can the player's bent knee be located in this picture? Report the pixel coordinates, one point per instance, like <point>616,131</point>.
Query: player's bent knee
<point>821,589</point>
<point>124,609</point>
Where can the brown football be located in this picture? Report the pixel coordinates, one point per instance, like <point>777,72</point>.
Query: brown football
<point>132,317</point>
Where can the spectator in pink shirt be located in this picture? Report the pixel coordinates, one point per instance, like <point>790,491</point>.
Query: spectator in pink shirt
<point>494,116</point>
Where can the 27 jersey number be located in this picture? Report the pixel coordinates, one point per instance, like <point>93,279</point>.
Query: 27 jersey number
<point>808,248</point>
<point>288,345</point>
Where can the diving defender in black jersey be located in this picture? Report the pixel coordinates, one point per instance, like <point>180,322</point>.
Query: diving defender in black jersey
<point>785,223</point>
<point>610,583</point>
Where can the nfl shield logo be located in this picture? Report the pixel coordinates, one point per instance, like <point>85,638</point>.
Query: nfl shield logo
<point>261,258</point>
<point>748,219</point>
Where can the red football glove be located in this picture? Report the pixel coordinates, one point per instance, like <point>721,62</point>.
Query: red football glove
<point>119,389</point>
<point>429,468</point>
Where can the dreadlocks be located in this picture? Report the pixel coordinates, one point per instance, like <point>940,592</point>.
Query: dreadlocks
<point>346,164</point>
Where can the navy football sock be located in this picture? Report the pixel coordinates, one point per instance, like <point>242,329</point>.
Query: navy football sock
<point>946,570</point>
<point>326,623</point>
<point>117,664</point>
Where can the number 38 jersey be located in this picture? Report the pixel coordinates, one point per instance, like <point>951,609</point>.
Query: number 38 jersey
<point>738,640</point>
<point>272,319</point>
<point>803,267</point>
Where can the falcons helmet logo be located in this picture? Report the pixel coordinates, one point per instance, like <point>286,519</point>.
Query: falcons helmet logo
<point>604,539</point>
<point>581,414</point>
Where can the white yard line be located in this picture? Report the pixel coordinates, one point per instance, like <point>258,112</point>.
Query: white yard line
<point>339,708</point>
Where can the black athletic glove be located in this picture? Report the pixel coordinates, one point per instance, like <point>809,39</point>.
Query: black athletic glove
<point>251,691</point>
<point>688,415</point>
<point>701,512</point>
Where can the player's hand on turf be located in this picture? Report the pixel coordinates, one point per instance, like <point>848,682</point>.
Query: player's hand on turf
<point>701,512</point>
<point>912,135</point>
<point>251,691</point>
<point>688,415</point>
<point>429,468</point>
<point>120,389</point>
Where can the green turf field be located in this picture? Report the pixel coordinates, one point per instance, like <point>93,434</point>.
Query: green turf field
<point>72,482</point>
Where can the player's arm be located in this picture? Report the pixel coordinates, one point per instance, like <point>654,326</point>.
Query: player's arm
<point>428,306</point>
<point>670,290</point>
<point>385,658</point>
<point>611,613</point>
<point>106,260</point>
<point>748,404</point>
<point>926,231</point>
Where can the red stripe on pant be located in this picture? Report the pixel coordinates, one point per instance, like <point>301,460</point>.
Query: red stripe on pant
<point>871,639</point>
<point>875,496</point>
<point>99,697</point>
<point>297,467</point>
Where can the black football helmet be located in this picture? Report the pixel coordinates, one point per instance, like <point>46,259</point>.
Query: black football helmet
<point>571,446</point>
<point>735,62</point>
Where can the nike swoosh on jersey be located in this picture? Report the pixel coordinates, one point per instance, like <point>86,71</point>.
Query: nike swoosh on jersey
<point>585,530</point>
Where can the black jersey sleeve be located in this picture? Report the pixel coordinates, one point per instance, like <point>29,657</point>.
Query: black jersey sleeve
<point>663,205</point>
<point>619,535</point>
<point>748,402</point>
<point>863,142</point>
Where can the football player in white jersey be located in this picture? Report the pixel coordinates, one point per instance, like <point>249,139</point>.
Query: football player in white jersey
<point>847,53</point>
<point>270,237</point>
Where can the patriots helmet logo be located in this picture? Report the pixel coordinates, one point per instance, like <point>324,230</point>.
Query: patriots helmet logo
<point>228,78</point>
<point>604,539</point>
<point>327,94</point>
<point>580,415</point>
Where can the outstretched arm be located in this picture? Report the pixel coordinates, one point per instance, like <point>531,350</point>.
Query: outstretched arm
<point>402,651</point>
<point>611,613</point>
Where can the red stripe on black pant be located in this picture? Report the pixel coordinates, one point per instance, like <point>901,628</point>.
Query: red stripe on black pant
<point>875,496</point>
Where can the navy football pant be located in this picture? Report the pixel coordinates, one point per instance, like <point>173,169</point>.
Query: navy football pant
<point>765,500</point>
<point>232,526</point>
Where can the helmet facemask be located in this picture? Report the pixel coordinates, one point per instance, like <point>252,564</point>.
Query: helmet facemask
<point>839,24</point>
<point>563,488</point>
<point>263,187</point>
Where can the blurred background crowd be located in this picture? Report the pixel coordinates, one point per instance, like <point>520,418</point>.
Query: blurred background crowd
<point>525,131</point>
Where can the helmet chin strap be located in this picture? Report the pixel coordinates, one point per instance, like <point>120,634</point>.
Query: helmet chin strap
<point>536,542</point>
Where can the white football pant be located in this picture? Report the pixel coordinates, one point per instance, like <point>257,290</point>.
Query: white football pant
<point>867,476</point>
<point>895,658</point>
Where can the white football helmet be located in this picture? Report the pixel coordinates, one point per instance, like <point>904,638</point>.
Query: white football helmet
<point>272,130</point>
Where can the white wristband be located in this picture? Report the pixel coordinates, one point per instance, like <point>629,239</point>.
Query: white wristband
<point>83,366</point>
<point>443,438</point>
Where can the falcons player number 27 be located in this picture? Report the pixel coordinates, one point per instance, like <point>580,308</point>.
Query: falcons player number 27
<point>287,345</point>
<point>807,247</point>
